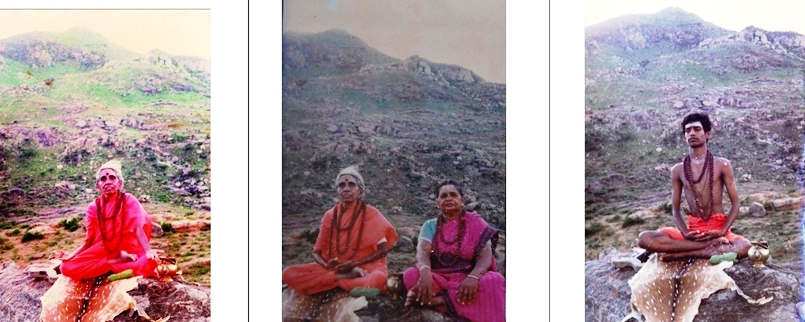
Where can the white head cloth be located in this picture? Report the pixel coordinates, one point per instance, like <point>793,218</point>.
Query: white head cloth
<point>353,171</point>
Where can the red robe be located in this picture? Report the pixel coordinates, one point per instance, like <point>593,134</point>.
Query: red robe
<point>313,278</point>
<point>92,262</point>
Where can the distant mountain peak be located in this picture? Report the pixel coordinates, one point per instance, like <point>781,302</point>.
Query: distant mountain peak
<point>338,32</point>
<point>675,10</point>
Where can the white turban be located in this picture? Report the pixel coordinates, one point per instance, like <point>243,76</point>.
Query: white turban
<point>112,164</point>
<point>353,171</point>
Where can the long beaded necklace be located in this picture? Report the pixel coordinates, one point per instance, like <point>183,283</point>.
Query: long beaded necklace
<point>709,168</point>
<point>116,224</point>
<point>336,229</point>
<point>439,239</point>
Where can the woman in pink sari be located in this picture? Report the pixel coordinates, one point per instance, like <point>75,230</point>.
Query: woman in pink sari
<point>455,270</point>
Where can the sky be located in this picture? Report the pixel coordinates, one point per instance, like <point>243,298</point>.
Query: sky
<point>470,33</point>
<point>735,15</point>
<point>177,32</point>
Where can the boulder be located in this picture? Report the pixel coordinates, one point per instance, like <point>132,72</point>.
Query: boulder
<point>762,197</point>
<point>608,295</point>
<point>20,292</point>
<point>404,244</point>
<point>16,191</point>
<point>641,214</point>
<point>471,206</point>
<point>156,230</point>
<point>190,225</point>
<point>757,209</point>
<point>43,229</point>
<point>787,203</point>
<point>365,129</point>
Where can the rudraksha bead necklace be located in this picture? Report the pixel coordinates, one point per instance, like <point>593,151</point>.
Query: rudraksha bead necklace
<point>117,222</point>
<point>336,230</point>
<point>708,167</point>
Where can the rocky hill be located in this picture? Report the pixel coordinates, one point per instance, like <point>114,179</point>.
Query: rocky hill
<point>71,101</point>
<point>643,74</point>
<point>407,124</point>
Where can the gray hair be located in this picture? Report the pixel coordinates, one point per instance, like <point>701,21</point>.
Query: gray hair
<point>352,171</point>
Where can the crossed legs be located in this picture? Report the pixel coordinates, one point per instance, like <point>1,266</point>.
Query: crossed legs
<point>671,249</point>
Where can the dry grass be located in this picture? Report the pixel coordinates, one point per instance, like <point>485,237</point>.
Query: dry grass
<point>191,249</point>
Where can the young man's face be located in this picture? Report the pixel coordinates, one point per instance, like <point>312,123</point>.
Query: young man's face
<point>695,134</point>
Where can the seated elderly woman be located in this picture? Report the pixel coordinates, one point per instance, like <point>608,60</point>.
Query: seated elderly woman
<point>350,251</point>
<point>455,269</point>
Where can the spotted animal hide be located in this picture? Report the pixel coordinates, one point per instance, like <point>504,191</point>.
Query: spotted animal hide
<point>334,305</point>
<point>672,291</point>
<point>96,300</point>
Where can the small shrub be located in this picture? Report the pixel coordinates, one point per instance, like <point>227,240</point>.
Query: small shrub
<point>7,225</point>
<point>15,232</point>
<point>614,218</point>
<point>666,207</point>
<point>166,227</point>
<point>32,235</point>
<point>71,224</point>
<point>593,228</point>
<point>177,137</point>
<point>629,221</point>
<point>311,235</point>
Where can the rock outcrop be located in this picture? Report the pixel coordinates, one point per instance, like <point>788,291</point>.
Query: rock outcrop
<point>607,293</point>
<point>20,293</point>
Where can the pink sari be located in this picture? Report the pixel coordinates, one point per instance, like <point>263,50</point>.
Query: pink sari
<point>490,302</point>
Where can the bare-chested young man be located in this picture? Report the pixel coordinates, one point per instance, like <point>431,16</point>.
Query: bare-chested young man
<point>703,178</point>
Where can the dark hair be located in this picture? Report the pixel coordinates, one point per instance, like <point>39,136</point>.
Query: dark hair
<point>697,117</point>
<point>449,182</point>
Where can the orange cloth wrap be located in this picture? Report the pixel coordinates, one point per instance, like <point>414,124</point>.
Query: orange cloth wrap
<point>716,222</point>
<point>312,278</point>
<point>93,261</point>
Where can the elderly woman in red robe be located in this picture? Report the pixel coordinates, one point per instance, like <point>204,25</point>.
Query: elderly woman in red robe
<point>455,270</point>
<point>350,251</point>
<point>118,233</point>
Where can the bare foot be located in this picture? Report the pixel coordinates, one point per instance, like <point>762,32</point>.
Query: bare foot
<point>123,258</point>
<point>410,300</point>
<point>126,257</point>
<point>717,246</point>
<point>354,273</point>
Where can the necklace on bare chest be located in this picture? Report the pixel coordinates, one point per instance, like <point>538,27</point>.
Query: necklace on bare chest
<point>708,168</point>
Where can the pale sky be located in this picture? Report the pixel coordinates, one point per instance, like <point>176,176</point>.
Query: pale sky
<point>735,15</point>
<point>177,32</point>
<point>470,33</point>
